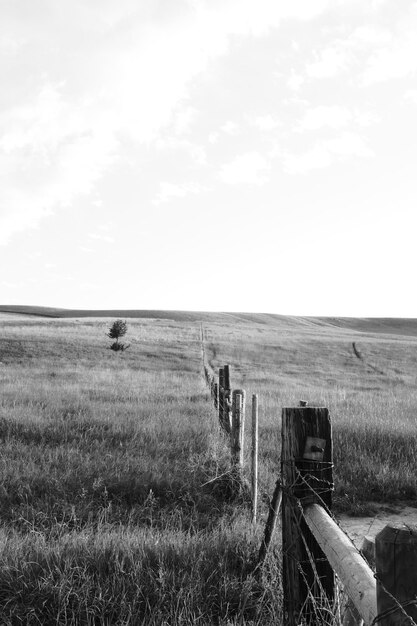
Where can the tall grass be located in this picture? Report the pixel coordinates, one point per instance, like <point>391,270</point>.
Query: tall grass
<point>371,400</point>
<point>109,511</point>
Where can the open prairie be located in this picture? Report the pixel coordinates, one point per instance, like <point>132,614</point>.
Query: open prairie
<point>109,510</point>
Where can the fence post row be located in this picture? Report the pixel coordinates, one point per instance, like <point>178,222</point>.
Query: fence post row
<point>314,547</point>
<point>307,476</point>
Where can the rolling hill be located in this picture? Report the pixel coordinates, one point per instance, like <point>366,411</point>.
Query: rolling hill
<point>368,325</point>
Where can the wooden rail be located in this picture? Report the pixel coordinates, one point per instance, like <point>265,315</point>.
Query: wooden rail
<point>354,572</point>
<point>313,543</point>
<point>314,546</point>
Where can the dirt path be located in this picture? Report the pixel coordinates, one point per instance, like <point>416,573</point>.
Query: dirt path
<point>359,527</point>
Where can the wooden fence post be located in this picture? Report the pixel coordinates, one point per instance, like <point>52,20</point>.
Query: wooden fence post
<point>221,397</point>
<point>225,399</point>
<point>221,377</point>
<point>226,370</point>
<point>254,456</point>
<point>307,477</point>
<point>216,395</point>
<point>237,434</point>
<point>396,572</point>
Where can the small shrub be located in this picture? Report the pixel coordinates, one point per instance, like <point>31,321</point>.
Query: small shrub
<point>118,346</point>
<point>118,329</point>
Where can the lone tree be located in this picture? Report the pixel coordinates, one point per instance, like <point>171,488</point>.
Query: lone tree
<point>117,329</point>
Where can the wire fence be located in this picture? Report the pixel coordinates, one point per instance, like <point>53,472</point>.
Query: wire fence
<point>326,579</point>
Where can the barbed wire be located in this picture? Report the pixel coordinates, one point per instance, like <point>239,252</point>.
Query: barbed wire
<point>308,487</point>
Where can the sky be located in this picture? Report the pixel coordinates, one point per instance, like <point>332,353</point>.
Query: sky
<point>213,155</point>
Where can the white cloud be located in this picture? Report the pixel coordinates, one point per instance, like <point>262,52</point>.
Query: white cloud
<point>342,54</point>
<point>295,81</point>
<point>411,96</point>
<point>213,137</point>
<point>118,74</point>
<point>230,128</point>
<point>325,153</point>
<point>184,119</point>
<point>266,122</point>
<point>366,118</point>
<point>175,145</point>
<point>101,237</point>
<point>316,158</point>
<point>371,34</point>
<point>167,191</point>
<point>331,116</point>
<point>329,62</point>
<point>349,145</point>
<point>250,168</point>
<point>122,72</point>
<point>336,116</point>
<point>397,59</point>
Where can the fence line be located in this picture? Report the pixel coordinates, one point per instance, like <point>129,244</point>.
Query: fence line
<point>315,548</point>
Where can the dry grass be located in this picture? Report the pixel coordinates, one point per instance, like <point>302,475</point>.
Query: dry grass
<point>107,515</point>
<point>371,400</point>
<point>104,516</point>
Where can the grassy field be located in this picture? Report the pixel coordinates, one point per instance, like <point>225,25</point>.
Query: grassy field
<point>109,514</point>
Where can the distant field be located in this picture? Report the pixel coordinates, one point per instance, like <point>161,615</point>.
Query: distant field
<point>108,512</point>
<point>387,326</point>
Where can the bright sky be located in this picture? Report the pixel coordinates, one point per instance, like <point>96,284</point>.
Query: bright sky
<point>233,155</point>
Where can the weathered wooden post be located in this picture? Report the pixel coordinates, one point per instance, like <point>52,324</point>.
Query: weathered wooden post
<point>227,401</point>
<point>216,395</point>
<point>254,456</point>
<point>227,377</point>
<point>225,404</point>
<point>307,477</point>
<point>237,433</point>
<point>396,573</point>
<point>221,397</point>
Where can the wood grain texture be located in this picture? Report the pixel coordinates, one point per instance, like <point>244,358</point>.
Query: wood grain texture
<point>352,569</point>
<point>396,568</point>
<point>303,481</point>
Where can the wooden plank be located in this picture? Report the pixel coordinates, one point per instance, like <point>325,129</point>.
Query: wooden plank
<point>396,570</point>
<point>307,476</point>
<point>350,566</point>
